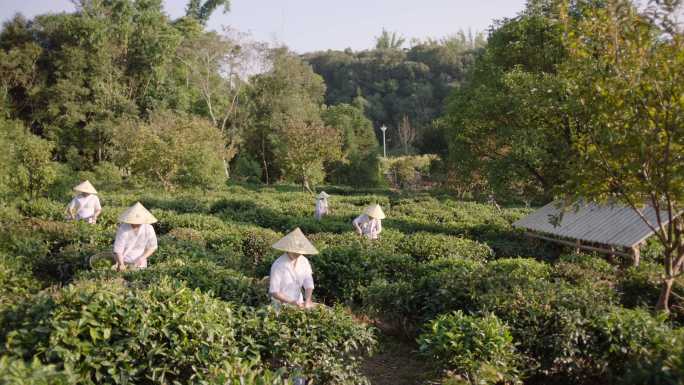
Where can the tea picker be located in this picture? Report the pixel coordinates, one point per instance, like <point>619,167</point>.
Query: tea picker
<point>135,239</point>
<point>321,205</point>
<point>85,205</point>
<point>369,223</point>
<point>292,271</point>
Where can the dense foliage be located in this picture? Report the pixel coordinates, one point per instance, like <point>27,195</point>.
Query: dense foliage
<point>574,320</point>
<point>392,83</point>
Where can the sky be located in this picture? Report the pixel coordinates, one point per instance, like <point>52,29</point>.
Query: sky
<point>312,25</point>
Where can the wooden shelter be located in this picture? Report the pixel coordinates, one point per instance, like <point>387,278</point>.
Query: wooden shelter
<point>606,228</point>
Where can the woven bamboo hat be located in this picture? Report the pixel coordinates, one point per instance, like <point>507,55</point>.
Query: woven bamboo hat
<point>323,195</point>
<point>137,215</point>
<point>85,187</point>
<point>295,242</point>
<point>374,211</point>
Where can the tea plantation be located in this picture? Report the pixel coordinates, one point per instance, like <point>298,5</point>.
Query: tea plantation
<point>476,300</point>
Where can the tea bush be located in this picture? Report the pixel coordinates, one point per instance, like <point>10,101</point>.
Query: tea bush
<point>344,273</point>
<point>424,246</point>
<point>584,268</point>
<point>224,283</point>
<point>480,348</point>
<point>435,256</point>
<point>15,371</point>
<point>438,286</point>
<point>107,333</point>
<point>634,347</point>
<point>16,280</point>
<point>323,344</point>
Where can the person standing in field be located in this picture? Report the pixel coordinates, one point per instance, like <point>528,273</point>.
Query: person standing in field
<point>292,271</point>
<point>321,205</point>
<point>85,205</point>
<point>135,239</point>
<point>369,223</point>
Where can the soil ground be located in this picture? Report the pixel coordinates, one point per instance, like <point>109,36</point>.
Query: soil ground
<point>397,363</point>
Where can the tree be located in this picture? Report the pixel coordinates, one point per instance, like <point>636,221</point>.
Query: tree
<point>217,66</point>
<point>202,10</point>
<point>354,128</point>
<point>392,83</point>
<point>304,147</point>
<point>626,75</point>
<point>288,91</point>
<point>358,164</point>
<point>389,40</point>
<point>508,125</point>
<point>407,134</point>
<point>171,149</point>
<point>27,160</point>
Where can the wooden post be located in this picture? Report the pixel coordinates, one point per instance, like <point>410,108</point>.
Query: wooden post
<point>611,255</point>
<point>636,252</point>
<point>578,246</point>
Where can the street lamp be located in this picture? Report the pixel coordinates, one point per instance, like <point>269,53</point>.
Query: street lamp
<point>384,147</point>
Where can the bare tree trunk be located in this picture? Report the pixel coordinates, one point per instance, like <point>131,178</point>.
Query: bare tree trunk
<point>263,158</point>
<point>225,168</point>
<point>663,300</point>
<point>305,184</point>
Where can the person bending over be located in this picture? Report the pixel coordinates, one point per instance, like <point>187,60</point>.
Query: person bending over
<point>135,240</point>
<point>292,272</point>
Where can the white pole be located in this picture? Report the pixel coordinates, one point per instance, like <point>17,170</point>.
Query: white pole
<point>384,146</point>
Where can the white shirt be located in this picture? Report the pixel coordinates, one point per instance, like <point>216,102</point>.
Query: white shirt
<point>288,277</point>
<point>85,206</point>
<point>370,227</point>
<point>321,208</point>
<point>132,244</point>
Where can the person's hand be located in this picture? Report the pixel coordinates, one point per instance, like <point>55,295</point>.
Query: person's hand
<point>309,305</point>
<point>300,305</point>
<point>120,267</point>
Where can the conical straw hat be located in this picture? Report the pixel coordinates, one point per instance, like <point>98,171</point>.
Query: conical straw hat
<point>295,242</point>
<point>375,211</point>
<point>137,215</point>
<point>323,195</point>
<point>86,187</point>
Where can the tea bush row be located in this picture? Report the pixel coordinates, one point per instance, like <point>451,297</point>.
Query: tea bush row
<point>104,332</point>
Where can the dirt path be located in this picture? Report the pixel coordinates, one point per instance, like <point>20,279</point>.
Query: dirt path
<point>397,363</point>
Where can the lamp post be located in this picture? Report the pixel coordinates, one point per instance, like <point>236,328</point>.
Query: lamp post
<point>384,147</point>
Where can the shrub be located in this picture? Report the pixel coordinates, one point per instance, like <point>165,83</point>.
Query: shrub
<point>17,372</point>
<point>480,348</point>
<point>424,246</point>
<point>585,268</point>
<point>224,283</point>
<point>324,344</point>
<point>171,149</point>
<point>187,235</point>
<point>344,273</point>
<point>437,287</point>
<point>634,347</point>
<point>551,319</point>
<point>447,285</point>
<point>42,208</point>
<point>106,333</point>
<point>640,285</point>
<point>31,170</point>
<point>16,280</point>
